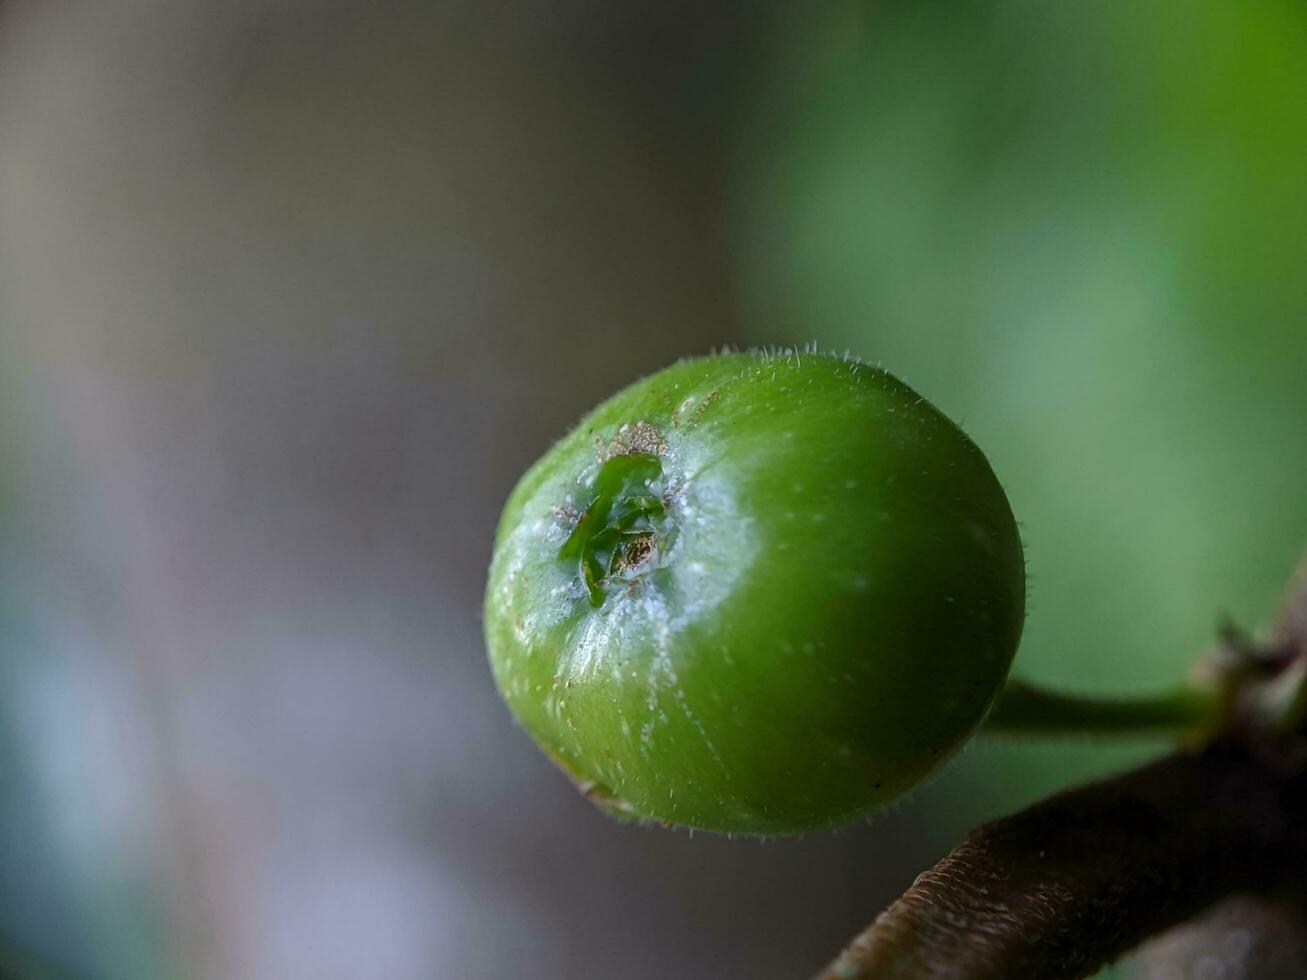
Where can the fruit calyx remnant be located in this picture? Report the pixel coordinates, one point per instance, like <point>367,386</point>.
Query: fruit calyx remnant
<point>616,533</point>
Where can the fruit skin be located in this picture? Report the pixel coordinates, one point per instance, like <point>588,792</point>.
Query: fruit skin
<point>820,601</point>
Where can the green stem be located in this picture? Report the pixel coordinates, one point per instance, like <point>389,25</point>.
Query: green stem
<point>1024,709</point>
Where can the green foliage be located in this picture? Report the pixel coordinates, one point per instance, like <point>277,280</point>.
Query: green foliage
<point>1081,230</point>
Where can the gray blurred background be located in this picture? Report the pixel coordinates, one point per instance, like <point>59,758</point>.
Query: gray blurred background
<point>291,292</point>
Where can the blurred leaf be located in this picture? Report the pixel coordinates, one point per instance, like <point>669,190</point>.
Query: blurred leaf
<point>1081,230</point>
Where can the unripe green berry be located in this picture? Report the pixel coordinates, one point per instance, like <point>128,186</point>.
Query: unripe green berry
<point>756,593</point>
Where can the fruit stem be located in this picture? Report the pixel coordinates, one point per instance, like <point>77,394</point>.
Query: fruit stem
<point>1025,709</point>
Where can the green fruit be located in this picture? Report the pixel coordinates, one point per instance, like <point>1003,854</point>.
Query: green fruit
<point>756,593</point>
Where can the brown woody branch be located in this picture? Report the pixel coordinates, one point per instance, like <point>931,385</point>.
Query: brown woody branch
<point>1062,888</point>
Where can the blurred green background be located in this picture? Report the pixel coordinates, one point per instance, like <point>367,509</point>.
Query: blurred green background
<point>291,292</point>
